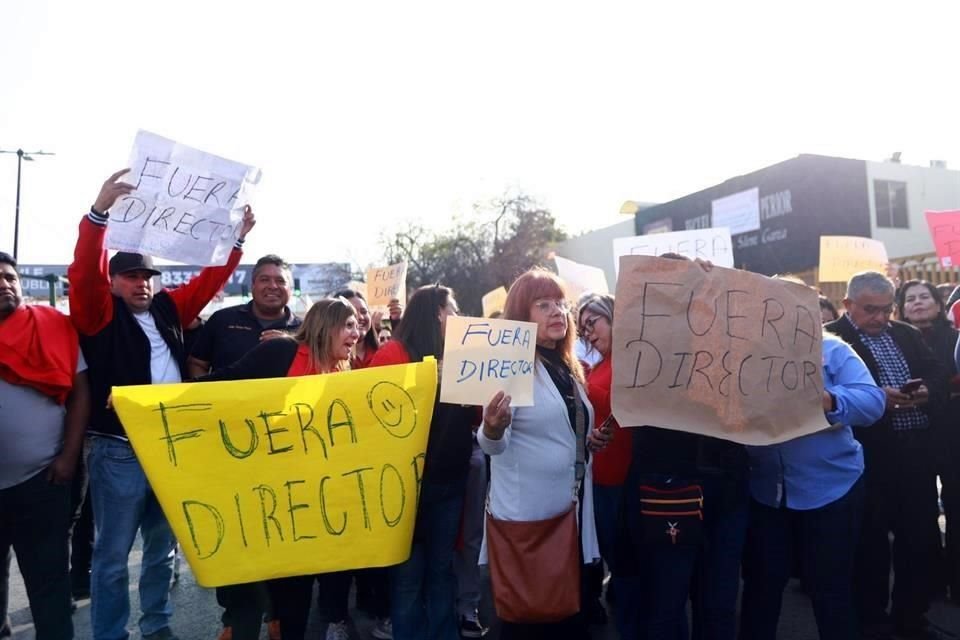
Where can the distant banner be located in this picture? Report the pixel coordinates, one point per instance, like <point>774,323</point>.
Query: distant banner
<point>483,356</point>
<point>843,256</point>
<point>714,245</point>
<point>729,354</point>
<point>945,231</point>
<point>269,478</point>
<point>386,284</point>
<point>581,278</point>
<point>494,301</point>
<point>187,206</point>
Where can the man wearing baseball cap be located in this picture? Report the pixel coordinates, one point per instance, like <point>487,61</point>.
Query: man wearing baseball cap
<point>130,335</point>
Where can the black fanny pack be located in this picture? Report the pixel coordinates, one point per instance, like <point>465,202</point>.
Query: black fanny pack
<point>671,515</point>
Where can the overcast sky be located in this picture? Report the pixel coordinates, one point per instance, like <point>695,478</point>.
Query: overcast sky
<point>365,114</point>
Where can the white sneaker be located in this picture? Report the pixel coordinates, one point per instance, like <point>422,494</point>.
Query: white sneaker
<point>338,631</point>
<point>383,629</point>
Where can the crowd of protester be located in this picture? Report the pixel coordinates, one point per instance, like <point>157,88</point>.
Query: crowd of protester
<point>73,496</point>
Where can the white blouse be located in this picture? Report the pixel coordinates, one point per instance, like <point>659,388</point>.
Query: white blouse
<point>532,465</point>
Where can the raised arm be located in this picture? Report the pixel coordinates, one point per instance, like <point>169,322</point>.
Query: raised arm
<point>91,304</point>
<point>191,298</point>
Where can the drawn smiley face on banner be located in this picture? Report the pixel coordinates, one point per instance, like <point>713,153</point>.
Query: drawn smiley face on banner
<point>393,408</point>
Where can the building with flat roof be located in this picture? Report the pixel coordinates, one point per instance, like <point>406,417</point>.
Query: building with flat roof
<point>777,214</point>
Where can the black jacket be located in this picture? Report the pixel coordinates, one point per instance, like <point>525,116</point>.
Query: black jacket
<point>921,362</point>
<point>119,355</point>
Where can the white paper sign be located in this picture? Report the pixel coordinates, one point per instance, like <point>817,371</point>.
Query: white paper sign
<point>187,206</point>
<point>581,278</point>
<point>739,212</point>
<point>714,245</point>
<point>482,356</point>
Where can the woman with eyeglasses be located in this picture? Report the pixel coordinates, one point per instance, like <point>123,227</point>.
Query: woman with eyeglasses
<point>610,465</point>
<point>535,475</point>
<point>919,303</point>
<point>423,590</point>
<point>323,344</point>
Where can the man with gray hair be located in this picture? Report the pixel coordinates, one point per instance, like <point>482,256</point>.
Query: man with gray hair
<point>898,457</point>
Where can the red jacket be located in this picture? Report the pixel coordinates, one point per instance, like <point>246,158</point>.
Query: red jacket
<point>610,465</point>
<point>116,349</point>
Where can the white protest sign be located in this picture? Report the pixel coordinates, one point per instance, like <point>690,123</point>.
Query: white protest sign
<point>739,212</point>
<point>387,283</point>
<point>714,245</point>
<point>187,205</point>
<point>581,278</point>
<point>482,356</point>
<point>843,256</point>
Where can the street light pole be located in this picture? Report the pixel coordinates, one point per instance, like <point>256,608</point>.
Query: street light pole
<point>21,156</point>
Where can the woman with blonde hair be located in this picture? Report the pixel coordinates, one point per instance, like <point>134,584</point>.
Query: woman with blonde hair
<point>540,463</point>
<point>324,343</point>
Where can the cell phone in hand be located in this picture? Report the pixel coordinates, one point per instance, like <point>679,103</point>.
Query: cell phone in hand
<point>911,386</point>
<point>607,425</point>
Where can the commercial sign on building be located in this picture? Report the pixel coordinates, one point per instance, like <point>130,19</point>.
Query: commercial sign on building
<point>777,215</point>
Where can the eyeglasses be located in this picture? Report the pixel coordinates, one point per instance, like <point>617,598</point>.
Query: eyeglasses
<point>547,306</point>
<point>586,328</point>
<point>872,310</point>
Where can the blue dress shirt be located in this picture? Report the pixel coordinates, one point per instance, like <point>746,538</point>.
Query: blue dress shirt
<point>814,470</point>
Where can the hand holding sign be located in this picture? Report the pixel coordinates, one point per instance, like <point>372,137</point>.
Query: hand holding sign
<point>497,416</point>
<point>111,190</point>
<point>248,222</point>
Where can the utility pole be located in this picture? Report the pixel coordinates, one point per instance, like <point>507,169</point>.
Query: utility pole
<point>21,156</point>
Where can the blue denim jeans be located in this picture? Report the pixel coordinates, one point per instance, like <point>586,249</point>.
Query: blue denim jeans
<point>34,520</point>
<point>828,541</point>
<point>423,590</point>
<point>122,504</point>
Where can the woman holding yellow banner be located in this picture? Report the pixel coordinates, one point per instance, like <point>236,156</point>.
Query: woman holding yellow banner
<point>323,344</point>
<point>541,482</point>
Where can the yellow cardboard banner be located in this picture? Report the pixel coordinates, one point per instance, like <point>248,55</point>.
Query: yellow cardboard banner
<point>843,256</point>
<point>494,301</point>
<point>288,476</point>
<point>386,284</point>
<point>482,356</point>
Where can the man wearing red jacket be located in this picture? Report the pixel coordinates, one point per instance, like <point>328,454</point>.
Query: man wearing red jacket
<point>129,336</point>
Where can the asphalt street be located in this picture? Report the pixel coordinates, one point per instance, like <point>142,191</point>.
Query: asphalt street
<point>197,616</point>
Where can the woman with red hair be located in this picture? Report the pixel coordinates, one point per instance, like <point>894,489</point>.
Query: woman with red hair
<point>540,465</point>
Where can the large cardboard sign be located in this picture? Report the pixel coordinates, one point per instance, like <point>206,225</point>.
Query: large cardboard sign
<point>714,245</point>
<point>482,356</point>
<point>841,257</point>
<point>187,206</point>
<point>290,476</point>
<point>725,353</point>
